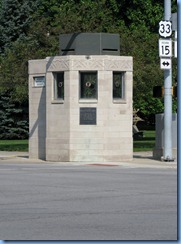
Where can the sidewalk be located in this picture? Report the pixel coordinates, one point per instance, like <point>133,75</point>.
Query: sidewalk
<point>8,155</point>
<point>140,159</point>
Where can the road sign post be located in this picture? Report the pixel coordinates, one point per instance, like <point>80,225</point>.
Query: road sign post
<point>174,28</point>
<point>165,53</point>
<point>165,30</point>
<point>175,45</point>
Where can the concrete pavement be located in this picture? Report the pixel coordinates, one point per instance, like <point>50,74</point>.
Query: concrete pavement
<point>51,201</point>
<point>43,200</point>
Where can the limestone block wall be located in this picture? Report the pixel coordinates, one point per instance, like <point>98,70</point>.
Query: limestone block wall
<point>58,129</point>
<point>110,139</point>
<point>37,110</point>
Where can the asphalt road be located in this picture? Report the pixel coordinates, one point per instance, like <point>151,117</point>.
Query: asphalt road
<point>55,202</point>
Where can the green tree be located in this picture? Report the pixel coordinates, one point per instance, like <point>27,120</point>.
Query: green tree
<point>13,118</point>
<point>15,19</point>
<point>14,72</point>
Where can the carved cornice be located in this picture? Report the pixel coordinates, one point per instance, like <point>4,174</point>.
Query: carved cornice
<point>121,65</point>
<point>87,64</point>
<point>58,65</point>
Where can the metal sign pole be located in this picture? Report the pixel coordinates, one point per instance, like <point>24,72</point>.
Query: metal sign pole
<point>167,98</point>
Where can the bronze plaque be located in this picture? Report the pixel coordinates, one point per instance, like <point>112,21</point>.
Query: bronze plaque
<point>87,116</point>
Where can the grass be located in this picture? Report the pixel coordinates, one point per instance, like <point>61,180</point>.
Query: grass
<point>14,145</point>
<point>146,143</point>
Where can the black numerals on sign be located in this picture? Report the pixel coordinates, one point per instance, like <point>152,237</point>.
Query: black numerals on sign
<point>165,50</point>
<point>165,28</point>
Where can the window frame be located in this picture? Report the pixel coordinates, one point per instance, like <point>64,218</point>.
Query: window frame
<point>95,72</point>
<point>55,89</point>
<point>123,86</point>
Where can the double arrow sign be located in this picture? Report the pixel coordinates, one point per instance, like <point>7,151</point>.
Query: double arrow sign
<point>165,63</point>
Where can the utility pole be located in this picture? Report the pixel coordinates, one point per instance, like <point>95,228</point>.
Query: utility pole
<point>167,97</point>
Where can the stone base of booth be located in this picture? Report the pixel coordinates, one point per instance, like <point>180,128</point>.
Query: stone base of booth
<point>87,150</point>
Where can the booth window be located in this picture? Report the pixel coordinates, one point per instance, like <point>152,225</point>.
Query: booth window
<point>118,85</point>
<point>59,85</point>
<point>88,85</point>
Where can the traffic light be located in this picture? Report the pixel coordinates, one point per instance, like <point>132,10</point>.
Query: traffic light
<point>158,91</point>
<point>174,91</point>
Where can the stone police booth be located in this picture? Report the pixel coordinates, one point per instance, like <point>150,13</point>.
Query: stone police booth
<point>80,102</point>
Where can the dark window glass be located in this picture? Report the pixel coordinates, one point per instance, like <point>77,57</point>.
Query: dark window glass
<point>118,85</point>
<point>88,85</point>
<point>59,85</point>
